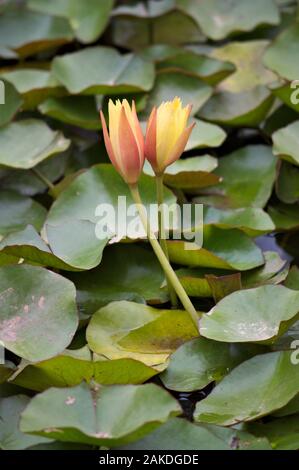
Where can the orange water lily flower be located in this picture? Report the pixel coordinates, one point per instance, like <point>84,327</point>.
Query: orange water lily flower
<point>124,142</point>
<point>167,134</point>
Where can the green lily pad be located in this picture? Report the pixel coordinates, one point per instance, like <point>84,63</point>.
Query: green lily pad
<point>74,211</point>
<point>26,143</point>
<point>109,416</point>
<point>199,362</point>
<point>282,55</point>
<point>17,211</point>
<point>286,143</point>
<point>284,216</point>
<point>26,244</point>
<point>283,434</point>
<point>189,173</point>
<point>34,85</point>
<point>180,434</point>
<point>80,111</point>
<point>196,284</point>
<point>220,18</point>
<point>251,220</point>
<point>190,89</point>
<point>11,438</point>
<point>229,249</point>
<point>248,175</point>
<point>243,395</point>
<point>257,314</point>
<point>138,277</point>
<point>10,102</point>
<point>72,367</point>
<point>291,408</point>
<point>208,69</point>
<point>38,312</point>
<point>287,184</point>
<point>103,70</point>
<point>247,108</point>
<point>88,20</point>
<point>204,135</point>
<point>247,58</point>
<point>29,32</point>
<point>130,330</point>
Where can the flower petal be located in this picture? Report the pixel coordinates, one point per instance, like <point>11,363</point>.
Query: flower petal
<point>150,147</point>
<point>108,142</point>
<point>179,146</point>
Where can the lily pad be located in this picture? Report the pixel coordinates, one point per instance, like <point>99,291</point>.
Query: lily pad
<point>103,70</point>
<point>130,330</point>
<point>74,212</point>
<point>283,434</point>
<point>17,211</point>
<point>26,143</point>
<point>204,135</point>
<point>199,362</point>
<point>11,438</point>
<point>220,18</point>
<point>257,314</point>
<point>286,143</point>
<point>248,175</point>
<point>77,110</point>
<point>88,19</point>
<point>180,434</point>
<point>29,32</point>
<point>287,184</point>
<point>72,367</point>
<point>243,395</point>
<point>138,277</point>
<point>285,216</point>
<point>109,416</point>
<point>190,89</point>
<point>222,249</point>
<point>38,312</point>
<point>282,55</point>
<point>34,85</point>
<point>10,102</point>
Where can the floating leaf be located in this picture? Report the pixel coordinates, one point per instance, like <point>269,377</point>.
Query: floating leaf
<point>199,362</point>
<point>38,312</point>
<point>286,143</point>
<point>284,216</point>
<point>77,110</point>
<point>138,277</point>
<point>74,211</point>
<point>102,70</point>
<point>229,249</point>
<point>26,143</point>
<point>29,32</point>
<point>246,108</point>
<point>283,434</point>
<point>282,55</point>
<point>180,434</point>
<point>10,102</point>
<point>189,88</point>
<point>243,395</point>
<point>248,175</point>
<point>109,417</point>
<point>34,85</point>
<point>88,20</point>
<point>205,134</point>
<point>131,330</point>
<point>72,367</point>
<point>220,18</point>
<point>11,438</point>
<point>251,315</point>
<point>287,184</point>
<point>17,211</point>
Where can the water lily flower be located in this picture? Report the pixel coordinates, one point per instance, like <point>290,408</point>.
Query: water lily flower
<point>167,134</point>
<point>124,142</point>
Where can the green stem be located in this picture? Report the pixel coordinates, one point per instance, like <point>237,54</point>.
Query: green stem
<point>169,272</point>
<point>162,235</point>
<point>43,178</point>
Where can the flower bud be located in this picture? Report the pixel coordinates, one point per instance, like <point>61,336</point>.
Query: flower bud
<point>124,142</point>
<point>167,134</point>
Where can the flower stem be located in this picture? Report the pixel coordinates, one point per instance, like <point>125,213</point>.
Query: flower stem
<point>162,235</point>
<point>169,272</point>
